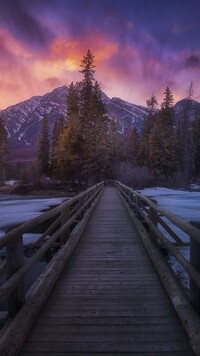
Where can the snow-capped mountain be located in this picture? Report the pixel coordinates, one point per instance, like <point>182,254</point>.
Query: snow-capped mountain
<point>184,105</point>
<point>23,119</point>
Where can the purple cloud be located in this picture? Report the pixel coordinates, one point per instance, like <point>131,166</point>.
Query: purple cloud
<point>193,62</point>
<point>16,16</point>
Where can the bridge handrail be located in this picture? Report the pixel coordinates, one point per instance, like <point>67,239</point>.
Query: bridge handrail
<point>185,226</point>
<point>15,266</point>
<point>12,235</point>
<point>134,200</point>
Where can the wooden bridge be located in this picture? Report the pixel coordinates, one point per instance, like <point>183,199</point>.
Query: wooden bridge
<point>113,294</point>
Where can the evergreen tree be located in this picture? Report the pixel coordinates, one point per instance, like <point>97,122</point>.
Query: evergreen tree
<point>3,149</point>
<point>196,143</point>
<point>163,158</point>
<point>55,161</point>
<point>70,145</point>
<point>168,100</point>
<point>185,139</point>
<point>115,142</point>
<point>43,157</point>
<point>148,125</point>
<point>131,146</point>
<point>163,144</point>
<point>152,104</point>
<point>93,122</point>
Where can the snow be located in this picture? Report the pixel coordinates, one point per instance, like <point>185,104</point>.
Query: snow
<point>195,187</point>
<point>184,204</point>
<point>17,211</point>
<point>10,182</point>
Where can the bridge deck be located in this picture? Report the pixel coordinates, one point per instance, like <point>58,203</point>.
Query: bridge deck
<point>109,298</point>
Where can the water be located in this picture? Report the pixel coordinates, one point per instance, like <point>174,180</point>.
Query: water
<point>16,211</point>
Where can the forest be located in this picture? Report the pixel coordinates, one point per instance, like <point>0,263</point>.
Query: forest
<point>87,146</point>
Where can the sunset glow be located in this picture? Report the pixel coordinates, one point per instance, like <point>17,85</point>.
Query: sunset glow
<point>140,47</point>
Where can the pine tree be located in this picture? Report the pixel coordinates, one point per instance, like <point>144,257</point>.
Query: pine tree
<point>168,100</point>
<point>70,145</point>
<point>131,146</point>
<point>196,143</point>
<point>148,125</point>
<point>93,122</point>
<point>115,152</point>
<point>152,104</point>
<point>3,148</point>
<point>185,139</point>
<point>43,157</point>
<point>163,144</point>
<point>55,162</point>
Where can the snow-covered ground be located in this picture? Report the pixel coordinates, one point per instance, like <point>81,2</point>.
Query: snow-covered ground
<point>20,210</point>
<point>184,204</point>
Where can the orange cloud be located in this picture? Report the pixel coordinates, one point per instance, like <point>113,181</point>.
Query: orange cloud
<point>30,71</point>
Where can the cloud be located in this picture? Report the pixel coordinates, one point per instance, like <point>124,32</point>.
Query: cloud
<point>43,42</point>
<point>16,17</point>
<point>193,62</point>
<point>53,82</point>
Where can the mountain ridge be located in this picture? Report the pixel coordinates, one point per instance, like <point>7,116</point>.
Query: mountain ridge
<point>23,119</point>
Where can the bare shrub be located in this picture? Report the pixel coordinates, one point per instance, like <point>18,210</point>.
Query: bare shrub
<point>176,181</point>
<point>136,177</point>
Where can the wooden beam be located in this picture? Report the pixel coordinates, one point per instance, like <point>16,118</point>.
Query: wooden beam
<point>195,261</point>
<point>14,260</point>
<point>186,313</point>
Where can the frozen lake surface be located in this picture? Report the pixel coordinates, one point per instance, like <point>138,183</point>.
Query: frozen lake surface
<point>16,211</point>
<point>184,204</point>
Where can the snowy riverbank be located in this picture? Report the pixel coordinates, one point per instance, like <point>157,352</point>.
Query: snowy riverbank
<point>186,205</point>
<point>15,210</point>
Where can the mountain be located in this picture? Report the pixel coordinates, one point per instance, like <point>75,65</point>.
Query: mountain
<point>23,119</point>
<point>182,106</point>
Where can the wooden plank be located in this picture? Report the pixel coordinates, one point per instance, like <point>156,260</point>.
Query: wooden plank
<point>117,320</point>
<point>57,353</point>
<point>14,260</point>
<point>131,346</point>
<point>109,298</point>
<point>101,336</point>
<point>92,328</point>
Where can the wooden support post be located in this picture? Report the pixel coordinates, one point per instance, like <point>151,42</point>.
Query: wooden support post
<point>195,261</point>
<point>14,260</point>
<point>65,215</point>
<point>81,200</point>
<point>153,218</point>
<point>138,203</point>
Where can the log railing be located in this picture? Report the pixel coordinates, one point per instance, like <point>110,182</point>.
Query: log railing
<point>147,218</point>
<point>151,217</point>
<point>65,225</point>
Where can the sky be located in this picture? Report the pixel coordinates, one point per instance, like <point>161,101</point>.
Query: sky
<point>140,47</point>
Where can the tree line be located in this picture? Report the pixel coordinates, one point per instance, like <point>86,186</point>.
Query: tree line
<point>87,146</point>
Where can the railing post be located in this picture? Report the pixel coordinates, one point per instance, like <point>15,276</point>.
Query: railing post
<point>153,217</point>
<point>14,260</point>
<point>65,215</point>
<point>81,200</point>
<point>195,261</point>
<point>138,203</point>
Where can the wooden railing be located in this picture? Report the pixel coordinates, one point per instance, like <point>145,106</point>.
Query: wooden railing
<point>152,217</point>
<point>64,225</point>
<point>148,220</point>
